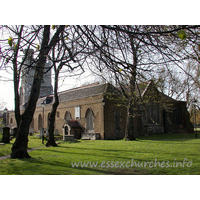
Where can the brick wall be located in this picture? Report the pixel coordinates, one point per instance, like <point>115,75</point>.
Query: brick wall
<point>94,103</point>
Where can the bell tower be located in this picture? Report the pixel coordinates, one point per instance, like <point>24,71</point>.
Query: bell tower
<point>28,72</point>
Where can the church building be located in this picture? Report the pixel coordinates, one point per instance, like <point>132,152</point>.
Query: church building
<point>86,112</point>
<point>95,111</point>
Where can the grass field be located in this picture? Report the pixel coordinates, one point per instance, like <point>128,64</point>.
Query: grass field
<point>156,154</point>
<point>6,149</point>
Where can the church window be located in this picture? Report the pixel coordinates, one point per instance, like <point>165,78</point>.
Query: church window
<point>77,112</point>
<point>67,116</point>
<point>89,120</point>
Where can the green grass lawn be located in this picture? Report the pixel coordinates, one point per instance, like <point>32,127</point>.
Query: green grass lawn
<point>111,156</point>
<point>33,142</point>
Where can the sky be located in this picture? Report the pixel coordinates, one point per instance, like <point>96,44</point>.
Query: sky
<point>7,95</point>
<point>7,89</point>
<point>113,13</point>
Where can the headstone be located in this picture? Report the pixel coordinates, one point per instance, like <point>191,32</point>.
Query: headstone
<point>46,132</point>
<point>6,135</point>
<point>31,130</point>
<point>13,132</point>
<point>56,132</point>
<point>41,132</point>
<point>69,138</point>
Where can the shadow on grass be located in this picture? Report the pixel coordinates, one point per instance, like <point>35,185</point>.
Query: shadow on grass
<point>170,137</point>
<point>112,153</point>
<point>84,170</point>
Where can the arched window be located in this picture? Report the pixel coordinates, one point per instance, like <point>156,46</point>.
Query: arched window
<point>89,120</point>
<point>39,121</point>
<point>67,116</point>
<point>11,120</point>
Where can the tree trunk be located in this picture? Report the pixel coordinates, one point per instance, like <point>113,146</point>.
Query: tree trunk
<point>17,104</point>
<point>130,127</point>
<point>132,101</point>
<point>51,139</point>
<point>19,148</point>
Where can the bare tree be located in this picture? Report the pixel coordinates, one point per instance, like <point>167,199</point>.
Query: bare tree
<point>137,53</point>
<point>68,56</point>
<point>64,54</point>
<point>27,37</point>
<point>14,39</point>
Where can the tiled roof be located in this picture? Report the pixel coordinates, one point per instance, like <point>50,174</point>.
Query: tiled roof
<point>74,124</point>
<point>43,99</point>
<point>96,89</point>
<point>78,93</point>
<point>82,92</point>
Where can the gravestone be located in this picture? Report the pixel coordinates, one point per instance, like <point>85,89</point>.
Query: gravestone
<point>41,132</point>
<point>46,132</point>
<point>69,138</point>
<point>31,131</point>
<point>6,135</point>
<point>56,132</point>
<point>13,132</point>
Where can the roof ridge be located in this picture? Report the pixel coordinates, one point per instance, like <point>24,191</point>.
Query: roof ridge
<point>81,87</point>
